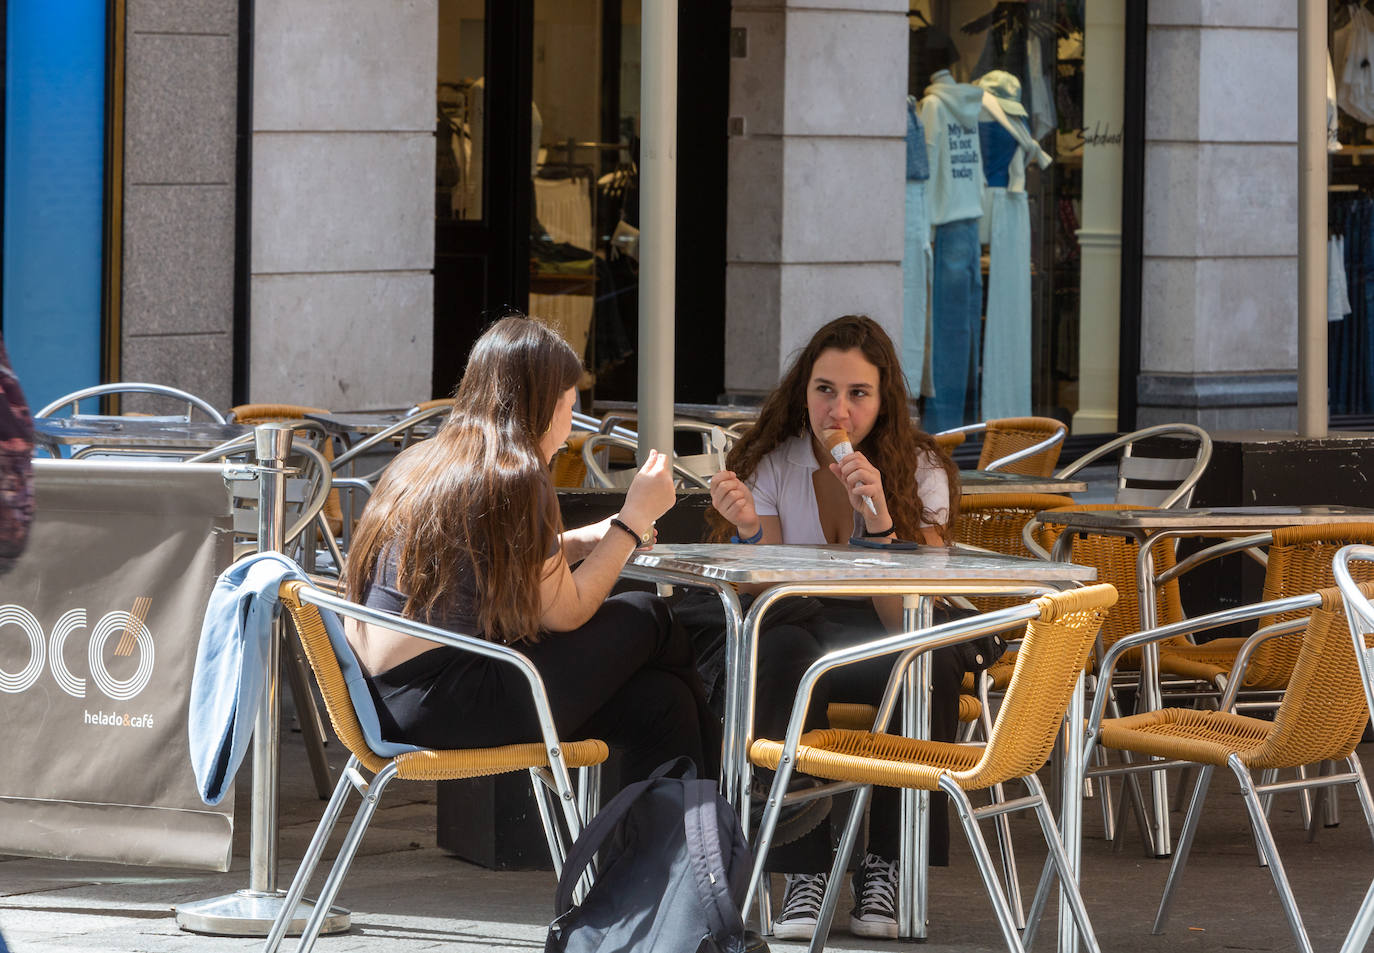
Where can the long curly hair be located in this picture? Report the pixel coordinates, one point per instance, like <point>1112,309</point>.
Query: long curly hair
<point>893,445</point>
<point>477,496</point>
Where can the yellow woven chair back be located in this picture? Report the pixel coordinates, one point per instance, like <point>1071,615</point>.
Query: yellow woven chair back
<point>994,521</point>
<point>948,441</point>
<point>1300,561</point>
<point>436,402</point>
<point>1324,712</point>
<point>253,414</point>
<point>568,467</point>
<point>1048,663</point>
<point>1115,559</point>
<point>1010,434</point>
<point>425,764</point>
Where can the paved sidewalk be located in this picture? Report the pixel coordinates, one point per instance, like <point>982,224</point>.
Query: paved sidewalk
<point>407,895</point>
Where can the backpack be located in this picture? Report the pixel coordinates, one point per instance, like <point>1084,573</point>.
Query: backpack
<point>16,467</point>
<point>673,867</point>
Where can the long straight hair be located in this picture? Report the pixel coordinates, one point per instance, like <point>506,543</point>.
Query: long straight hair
<point>477,497</point>
<point>894,445</point>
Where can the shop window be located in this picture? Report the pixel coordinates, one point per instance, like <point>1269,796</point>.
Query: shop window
<point>1012,260</point>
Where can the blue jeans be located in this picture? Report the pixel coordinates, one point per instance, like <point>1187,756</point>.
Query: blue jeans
<point>956,310</point>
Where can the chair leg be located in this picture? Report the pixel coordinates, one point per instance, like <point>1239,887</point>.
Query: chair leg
<point>1362,790</point>
<point>548,816</point>
<point>981,855</point>
<point>1265,839</point>
<point>347,850</point>
<point>1358,936</point>
<point>1184,845</point>
<point>1068,880</point>
<point>1007,852</point>
<point>831,899</point>
<point>312,858</point>
<point>1332,814</point>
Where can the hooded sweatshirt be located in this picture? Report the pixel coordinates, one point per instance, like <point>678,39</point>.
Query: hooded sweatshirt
<point>949,113</point>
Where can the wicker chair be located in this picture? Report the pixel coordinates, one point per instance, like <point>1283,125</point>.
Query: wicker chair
<point>1061,630</point>
<point>1143,480</point>
<point>1321,717</point>
<point>1026,445</point>
<point>120,388</point>
<point>316,617</point>
<point>1300,559</point>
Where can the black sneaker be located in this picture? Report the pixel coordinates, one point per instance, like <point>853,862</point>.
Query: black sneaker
<point>801,906</point>
<point>875,899</point>
<point>795,820</point>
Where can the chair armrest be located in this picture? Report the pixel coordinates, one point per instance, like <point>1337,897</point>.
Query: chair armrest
<point>1248,545</point>
<point>467,643</point>
<point>1247,651</point>
<point>1201,623</point>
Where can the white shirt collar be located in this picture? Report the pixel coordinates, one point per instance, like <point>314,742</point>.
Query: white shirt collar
<point>800,454</point>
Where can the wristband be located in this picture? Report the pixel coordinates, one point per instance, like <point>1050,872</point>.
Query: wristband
<point>749,540</point>
<point>887,532</point>
<point>644,540</point>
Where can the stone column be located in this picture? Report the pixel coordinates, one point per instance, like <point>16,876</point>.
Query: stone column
<point>1219,309</point>
<point>343,202</point>
<point>1099,237</point>
<point>177,282</point>
<point>816,178</point>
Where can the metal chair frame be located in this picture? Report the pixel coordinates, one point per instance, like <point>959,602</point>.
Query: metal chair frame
<point>1256,795</point>
<point>603,478</point>
<point>1359,612</point>
<point>575,804</point>
<point>910,645</point>
<point>1056,438</point>
<point>75,398</point>
<point>1151,469</point>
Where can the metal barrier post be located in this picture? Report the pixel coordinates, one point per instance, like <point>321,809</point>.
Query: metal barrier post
<point>251,912</point>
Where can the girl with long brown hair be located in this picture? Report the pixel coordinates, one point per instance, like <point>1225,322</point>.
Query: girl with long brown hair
<point>782,485</point>
<point>464,532</point>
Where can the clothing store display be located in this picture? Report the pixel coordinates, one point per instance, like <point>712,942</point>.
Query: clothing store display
<point>1354,66</point>
<point>949,116</point>
<point>956,305</point>
<point>954,196</point>
<point>916,261</point>
<point>1005,227</point>
<point>1350,342</point>
<point>1337,290</point>
<point>1025,46</point>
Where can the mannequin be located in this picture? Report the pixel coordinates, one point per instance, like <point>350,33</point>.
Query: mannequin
<point>949,114</point>
<point>1006,143</point>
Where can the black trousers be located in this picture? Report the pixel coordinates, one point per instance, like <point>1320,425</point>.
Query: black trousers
<point>785,652</point>
<point>627,677</point>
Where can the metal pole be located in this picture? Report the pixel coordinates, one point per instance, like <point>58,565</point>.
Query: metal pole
<point>658,224</point>
<point>251,912</point>
<point>1312,180</point>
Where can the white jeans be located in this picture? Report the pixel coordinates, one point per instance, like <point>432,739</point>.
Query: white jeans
<point>1007,333</point>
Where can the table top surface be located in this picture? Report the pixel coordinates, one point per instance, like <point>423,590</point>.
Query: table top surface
<point>982,481</point>
<point>1205,518</point>
<point>739,563</point>
<point>368,422</point>
<point>136,431</point>
<point>711,413</point>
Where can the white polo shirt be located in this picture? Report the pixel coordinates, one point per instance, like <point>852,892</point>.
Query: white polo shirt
<point>782,487</point>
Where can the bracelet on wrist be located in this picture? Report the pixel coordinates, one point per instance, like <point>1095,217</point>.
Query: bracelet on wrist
<point>886,532</point>
<point>750,540</point>
<point>640,539</point>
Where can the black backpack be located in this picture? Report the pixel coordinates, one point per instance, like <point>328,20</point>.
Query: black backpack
<point>673,867</point>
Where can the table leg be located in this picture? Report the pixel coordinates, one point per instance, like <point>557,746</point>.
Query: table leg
<point>913,864</point>
<point>1150,697</point>
<point>1071,808</point>
<point>734,754</point>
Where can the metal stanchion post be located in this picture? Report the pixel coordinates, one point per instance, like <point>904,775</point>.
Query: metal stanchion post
<point>251,912</point>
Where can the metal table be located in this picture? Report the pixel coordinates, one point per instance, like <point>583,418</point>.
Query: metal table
<point>126,433</point>
<point>840,570</point>
<point>368,422</point>
<point>995,481</point>
<point>722,414</point>
<point>1149,526</point>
